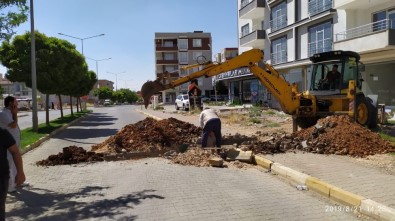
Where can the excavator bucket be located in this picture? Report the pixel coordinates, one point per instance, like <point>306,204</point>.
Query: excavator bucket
<point>150,88</point>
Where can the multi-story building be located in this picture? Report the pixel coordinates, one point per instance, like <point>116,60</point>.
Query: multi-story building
<point>173,51</point>
<point>16,89</point>
<point>290,31</point>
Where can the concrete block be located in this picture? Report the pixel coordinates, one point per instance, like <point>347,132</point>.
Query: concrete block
<point>318,186</point>
<point>345,197</point>
<point>279,169</point>
<point>244,156</point>
<point>216,162</point>
<point>263,162</point>
<point>296,176</point>
<point>376,210</point>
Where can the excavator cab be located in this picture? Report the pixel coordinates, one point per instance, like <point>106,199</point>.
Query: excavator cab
<point>332,72</point>
<point>336,84</point>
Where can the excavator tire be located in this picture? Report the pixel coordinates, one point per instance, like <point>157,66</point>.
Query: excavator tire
<point>306,122</point>
<point>366,112</point>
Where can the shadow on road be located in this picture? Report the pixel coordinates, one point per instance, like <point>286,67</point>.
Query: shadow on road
<point>79,133</point>
<point>42,204</point>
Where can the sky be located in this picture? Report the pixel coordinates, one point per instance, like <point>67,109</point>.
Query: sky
<point>129,28</point>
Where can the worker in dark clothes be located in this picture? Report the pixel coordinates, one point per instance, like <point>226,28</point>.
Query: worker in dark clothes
<point>210,122</point>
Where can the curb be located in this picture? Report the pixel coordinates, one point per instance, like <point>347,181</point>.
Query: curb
<point>352,202</point>
<point>50,135</point>
<point>149,115</point>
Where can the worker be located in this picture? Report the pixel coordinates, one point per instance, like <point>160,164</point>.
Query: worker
<point>210,122</point>
<point>8,144</point>
<point>333,77</point>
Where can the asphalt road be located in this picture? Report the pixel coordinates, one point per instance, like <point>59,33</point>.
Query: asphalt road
<point>153,189</point>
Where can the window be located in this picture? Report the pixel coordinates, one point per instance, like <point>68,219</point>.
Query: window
<point>278,16</point>
<point>391,17</point>
<point>197,43</point>
<point>169,68</point>
<point>168,44</point>
<point>317,6</point>
<point>169,56</point>
<point>244,3</point>
<point>183,44</point>
<point>379,22</point>
<point>320,38</point>
<point>279,50</point>
<point>245,30</point>
<point>183,57</point>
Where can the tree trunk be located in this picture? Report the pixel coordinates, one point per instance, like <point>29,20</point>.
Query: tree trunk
<point>71,105</point>
<point>76,102</point>
<point>60,106</point>
<point>47,109</point>
<point>80,104</point>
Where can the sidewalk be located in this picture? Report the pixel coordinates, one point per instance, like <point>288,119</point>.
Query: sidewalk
<point>340,171</point>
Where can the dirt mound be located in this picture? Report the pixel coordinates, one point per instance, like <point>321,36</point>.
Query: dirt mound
<point>71,155</point>
<point>340,135</point>
<point>194,157</point>
<point>150,135</point>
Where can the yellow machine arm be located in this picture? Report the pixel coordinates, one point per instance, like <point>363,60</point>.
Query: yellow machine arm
<point>286,94</point>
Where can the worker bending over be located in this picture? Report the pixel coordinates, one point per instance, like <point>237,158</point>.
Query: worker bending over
<point>210,122</point>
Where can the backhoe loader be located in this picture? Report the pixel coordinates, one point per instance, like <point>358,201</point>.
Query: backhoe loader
<point>341,96</point>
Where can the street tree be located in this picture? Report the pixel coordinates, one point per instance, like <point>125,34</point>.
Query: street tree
<point>9,20</point>
<point>103,93</point>
<point>125,95</point>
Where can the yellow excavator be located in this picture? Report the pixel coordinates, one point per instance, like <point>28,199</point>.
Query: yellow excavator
<point>338,94</point>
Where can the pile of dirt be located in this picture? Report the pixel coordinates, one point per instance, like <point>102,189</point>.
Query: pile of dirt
<point>340,135</point>
<point>194,157</point>
<point>151,136</point>
<point>71,155</point>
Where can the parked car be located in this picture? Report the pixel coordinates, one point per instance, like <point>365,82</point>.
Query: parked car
<point>182,101</point>
<point>107,102</point>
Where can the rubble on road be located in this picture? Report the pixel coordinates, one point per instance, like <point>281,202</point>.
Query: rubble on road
<point>173,139</point>
<point>150,135</point>
<point>71,155</point>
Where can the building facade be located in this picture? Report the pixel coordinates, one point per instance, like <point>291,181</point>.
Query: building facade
<point>173,52</point>
<point>290,31</point>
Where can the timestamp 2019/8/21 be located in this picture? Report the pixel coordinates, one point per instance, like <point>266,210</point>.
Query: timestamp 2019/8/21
<point>341,208</point>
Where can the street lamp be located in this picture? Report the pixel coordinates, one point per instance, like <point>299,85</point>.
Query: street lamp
<point>82,39</point>
<point>97,68</point>
<point>116,78</point>
<point>126,80</point>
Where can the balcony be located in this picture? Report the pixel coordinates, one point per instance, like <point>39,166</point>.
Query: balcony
<point>357,4</point>
<point>278,23</point>
<point>370,37</point>
<point>320,46</point>
<point>166,48</point>
<point>161,61</point>
<point>255,38</point>
<point>253,10</point>
<point>279,57</point>
<point>317,6</point>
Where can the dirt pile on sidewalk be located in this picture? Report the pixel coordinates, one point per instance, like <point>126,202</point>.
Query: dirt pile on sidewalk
<point>71,155</point>
<point>194,157</point>
<point>340,135</point>
<point>151,136</point>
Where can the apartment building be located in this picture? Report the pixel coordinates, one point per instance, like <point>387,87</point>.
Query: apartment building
<point>290,31</point>
<point>173,51</point>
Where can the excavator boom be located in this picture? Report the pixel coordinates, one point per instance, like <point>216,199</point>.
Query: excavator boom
<point>210,69</point>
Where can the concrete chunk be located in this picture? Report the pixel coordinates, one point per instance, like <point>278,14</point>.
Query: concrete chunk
<point>216,162</point>
<point>244,156</point>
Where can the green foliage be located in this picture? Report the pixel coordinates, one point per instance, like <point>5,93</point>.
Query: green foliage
<point>103,93</point>
<point>125,95</point>
<point>254,112</point>
<point>255,120</point>
<point>11,19</point>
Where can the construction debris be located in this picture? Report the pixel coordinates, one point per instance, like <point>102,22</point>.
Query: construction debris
<point>174,139</point>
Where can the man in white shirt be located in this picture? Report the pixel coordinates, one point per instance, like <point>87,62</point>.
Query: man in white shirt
<point>9,121</point>
<point>210,122</point>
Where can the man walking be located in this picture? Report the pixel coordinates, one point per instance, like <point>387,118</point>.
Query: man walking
<point>9,121</point>
<point>8,144</point>
<point>210,122</point>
